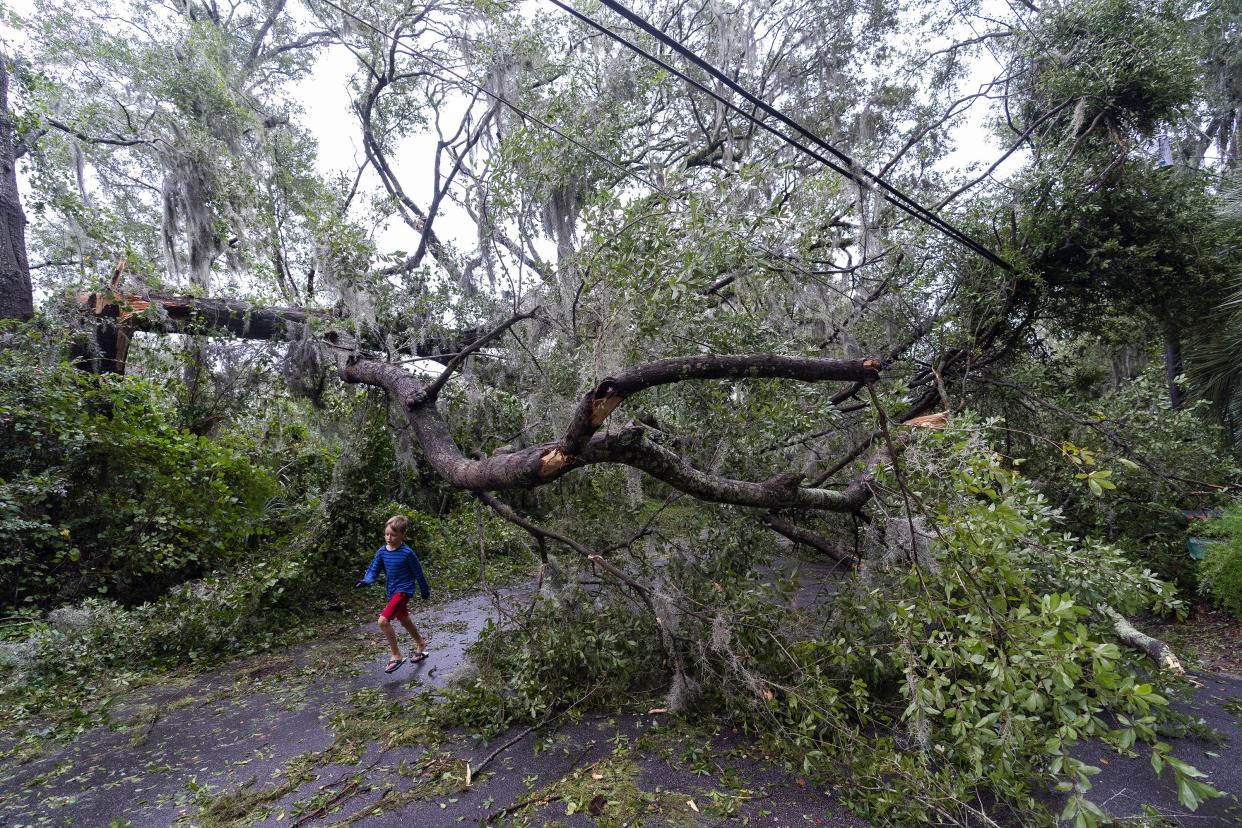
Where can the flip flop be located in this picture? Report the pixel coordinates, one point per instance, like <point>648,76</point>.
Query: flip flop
<point>393,664</point>
<point>421,655</point>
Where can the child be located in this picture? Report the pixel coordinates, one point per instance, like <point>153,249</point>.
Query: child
<point>402,570</point>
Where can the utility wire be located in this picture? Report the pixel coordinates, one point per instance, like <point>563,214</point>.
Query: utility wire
<point>851,169</point>
<point>499,98</point>
<point>853,172</point>
<point>496,96</point>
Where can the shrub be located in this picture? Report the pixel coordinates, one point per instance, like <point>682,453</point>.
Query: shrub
<point>1122,465</point>
<point>101,494</point>
<point>1220,571</point>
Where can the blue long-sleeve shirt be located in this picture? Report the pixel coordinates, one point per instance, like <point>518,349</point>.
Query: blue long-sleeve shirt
<point>402,569</point>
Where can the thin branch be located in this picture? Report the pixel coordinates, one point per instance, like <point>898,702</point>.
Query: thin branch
<point>91,139</point>
<point>432,391</point>
<point>505,511</point>
<point>434,208</point>
<point>27,142</point>
<point>277,7</point>
<point>808,538</point>
<point>1012,149</point>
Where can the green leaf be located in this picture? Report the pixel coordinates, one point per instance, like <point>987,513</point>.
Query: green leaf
<point>1192,793</point>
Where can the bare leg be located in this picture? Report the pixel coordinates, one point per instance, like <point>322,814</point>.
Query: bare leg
<point>391,635</point>
<point>408,623</point>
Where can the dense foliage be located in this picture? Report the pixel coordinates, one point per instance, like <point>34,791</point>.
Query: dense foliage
<point>225,489</point>
<point>104,495</point>
<point>1220,573</point>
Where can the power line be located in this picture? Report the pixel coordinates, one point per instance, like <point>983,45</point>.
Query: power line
<point>852,170</point>
<point>499,98</point>
<point>496,96</point>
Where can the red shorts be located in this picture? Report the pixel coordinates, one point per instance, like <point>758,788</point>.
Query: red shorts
<point>397,606</point>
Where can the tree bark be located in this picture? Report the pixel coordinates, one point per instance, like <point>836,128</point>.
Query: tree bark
<point>193,315</point>
<point>1173,366</point>
<point>580,446</point>
<point>119,315</point>
<point>611,391</point>
<point>16,297</point>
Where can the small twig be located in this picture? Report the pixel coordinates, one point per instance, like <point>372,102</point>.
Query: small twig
<point>430,393</point>
<point>901,482</point>
<point>322,809</point>
<point>146,733</point>
<point>519,805</point>
<point>477,769</point>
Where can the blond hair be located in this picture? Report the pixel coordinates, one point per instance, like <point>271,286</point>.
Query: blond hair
<point>400,523</point>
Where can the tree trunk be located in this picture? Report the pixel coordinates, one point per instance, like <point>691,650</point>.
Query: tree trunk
<point>16,298</point>
<point>1173,365</point>
<point>117,316</point>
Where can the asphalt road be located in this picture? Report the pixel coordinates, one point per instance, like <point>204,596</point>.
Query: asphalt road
<point>240,729</point>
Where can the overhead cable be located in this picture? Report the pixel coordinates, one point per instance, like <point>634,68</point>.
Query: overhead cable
<point>522,113</point>
<point>844,165</point>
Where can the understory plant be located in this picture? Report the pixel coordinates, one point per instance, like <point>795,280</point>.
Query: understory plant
<point>965,674</point>
<point>1220,571</point>
<point>100,494</point>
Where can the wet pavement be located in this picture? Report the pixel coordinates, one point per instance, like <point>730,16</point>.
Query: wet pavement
<point>271,741</point>
<point>1127,787</point>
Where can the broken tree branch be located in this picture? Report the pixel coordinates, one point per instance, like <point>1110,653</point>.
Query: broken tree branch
<point>541,464</point>
<point>808,538</point>
<point>1153,648</point>
<point>118,315</point>
<point>595,407</point>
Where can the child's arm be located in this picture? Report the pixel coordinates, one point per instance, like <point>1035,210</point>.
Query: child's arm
<point>418,575</point>
<point>373,570</point>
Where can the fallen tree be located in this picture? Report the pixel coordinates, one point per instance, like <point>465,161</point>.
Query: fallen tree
<point>113,318</point>
<point>583,443</point>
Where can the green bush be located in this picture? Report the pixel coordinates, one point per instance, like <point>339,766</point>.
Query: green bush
<point>1122,465</point>
<point>101,494</point>
<point>1220,571</point>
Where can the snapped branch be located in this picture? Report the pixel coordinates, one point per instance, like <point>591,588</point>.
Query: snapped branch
<point>541,464</point>
<point>433,390</point>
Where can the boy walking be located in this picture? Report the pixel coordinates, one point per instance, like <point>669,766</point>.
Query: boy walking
<point>402,570</point>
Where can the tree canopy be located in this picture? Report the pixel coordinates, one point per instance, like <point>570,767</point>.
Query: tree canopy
<point>577,279</point>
